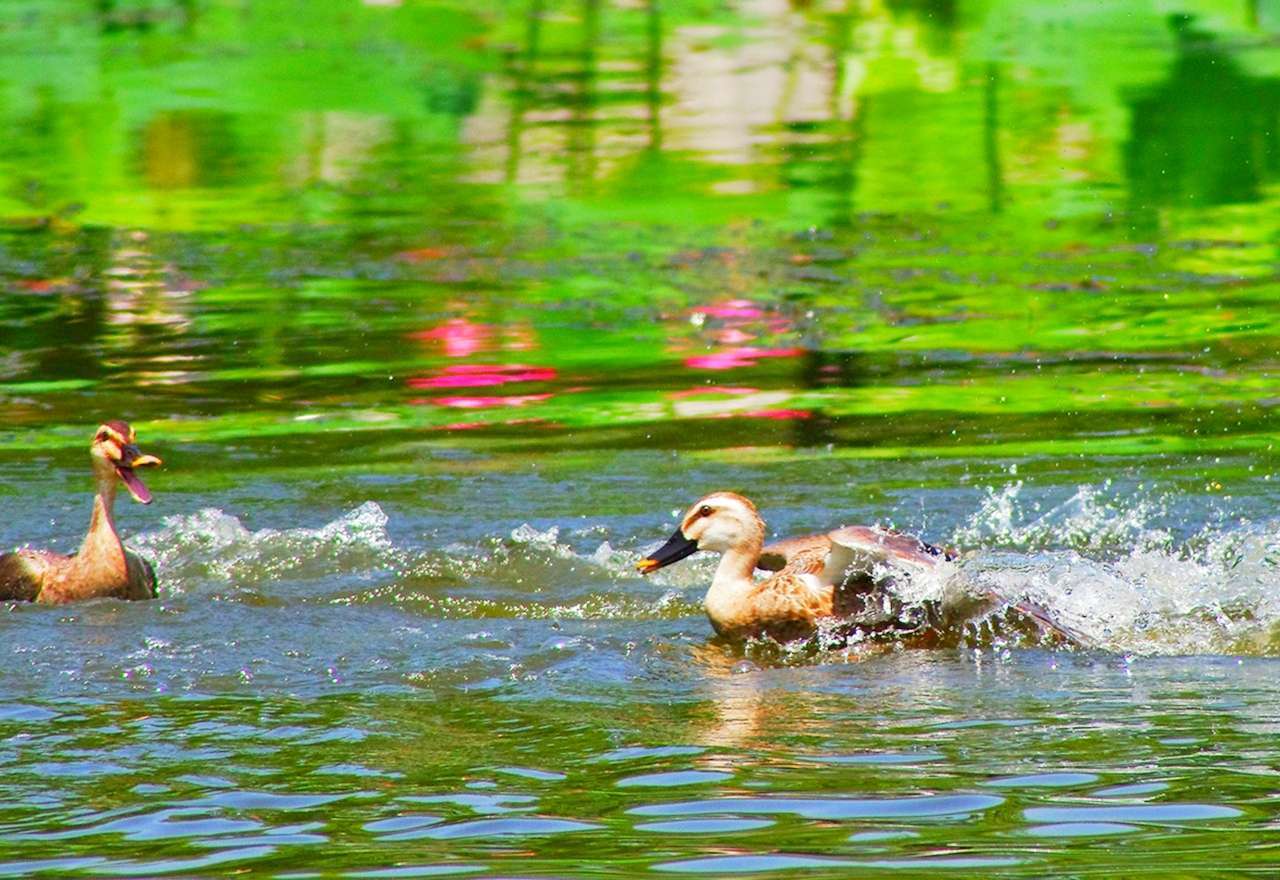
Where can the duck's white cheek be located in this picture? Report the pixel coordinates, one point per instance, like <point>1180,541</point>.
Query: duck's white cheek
<point>716,537</point>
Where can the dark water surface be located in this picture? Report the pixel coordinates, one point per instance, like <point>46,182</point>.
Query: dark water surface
<point>438,312</point>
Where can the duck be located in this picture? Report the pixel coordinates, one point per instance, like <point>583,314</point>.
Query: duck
<point>102,568</point>
<point>831,578</point>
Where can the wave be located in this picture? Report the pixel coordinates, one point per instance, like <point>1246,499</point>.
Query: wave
<point>353,561</point>
<point>1089,520</point>
<point>1103,565</point>
<point>213,547</point>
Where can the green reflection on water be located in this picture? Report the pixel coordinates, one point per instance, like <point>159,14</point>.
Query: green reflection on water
<point>837,213</point>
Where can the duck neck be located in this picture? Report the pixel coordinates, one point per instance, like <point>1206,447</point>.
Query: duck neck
<point>102,547</point>
<point>734,581</point>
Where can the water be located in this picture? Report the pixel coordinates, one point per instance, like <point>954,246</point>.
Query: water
<point>438,314</point>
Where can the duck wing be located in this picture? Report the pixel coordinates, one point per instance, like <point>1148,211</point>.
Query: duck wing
<point>861,562</point>
<point>22,573</point>
<point>779,554</point>
<point>847,559</point>
<point>142,578</point>
<point>879,541</point>
<point>857,550</point>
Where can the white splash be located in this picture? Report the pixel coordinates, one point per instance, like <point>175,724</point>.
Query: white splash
<point>213,545</point>
<point>1101,567</point>
<point>1088,520</point>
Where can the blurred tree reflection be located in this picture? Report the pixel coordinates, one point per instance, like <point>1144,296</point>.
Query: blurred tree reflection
<point>1206,135</point>
<point>938,20</point>
<point>178,149</point>
<point>74,320</point>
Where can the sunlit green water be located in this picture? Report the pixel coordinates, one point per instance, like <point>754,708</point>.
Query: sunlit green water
<point>436,312</point>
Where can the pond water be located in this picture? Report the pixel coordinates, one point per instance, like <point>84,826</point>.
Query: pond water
<point>439,312</point>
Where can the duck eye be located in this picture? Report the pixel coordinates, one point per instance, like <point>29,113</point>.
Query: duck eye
<point>704,510</point>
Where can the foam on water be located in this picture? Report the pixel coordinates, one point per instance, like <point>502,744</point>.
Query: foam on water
<point>1099,564</point>
<point>1088,520</point>
<point>526,557</point>
<point>213,546</point>
<point>1104,566</point>
<point>212,549</point>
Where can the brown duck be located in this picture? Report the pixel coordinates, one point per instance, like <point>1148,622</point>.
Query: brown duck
<point>830,576</point>
<point>102,567</point>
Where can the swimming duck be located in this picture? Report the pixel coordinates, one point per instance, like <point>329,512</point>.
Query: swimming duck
<point>816,577</point>
<point>102,567</point>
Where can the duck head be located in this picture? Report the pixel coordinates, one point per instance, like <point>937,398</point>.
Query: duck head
<point>116,456</point>
<point>721,521</point>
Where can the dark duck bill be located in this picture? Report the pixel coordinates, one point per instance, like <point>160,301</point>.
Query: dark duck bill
<point>132,457</point>
<point>676,548</point>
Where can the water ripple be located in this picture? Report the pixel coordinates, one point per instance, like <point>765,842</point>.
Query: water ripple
<point>830,808</point>
<point>1043,780</point>
<point>479,803</point>
<point>1081,829</point>
<point>1144,813</point>
<point>510,827</point>
<point>726,825</point>
<point>413,871</point>
<point>265,800</point>
<point>675,778</point>
<point>175,866</point>
<point>750,864</point>
<point>754,864</point>
<point>902,758</point>
<point>1136,789</point>
<point>638,753</point>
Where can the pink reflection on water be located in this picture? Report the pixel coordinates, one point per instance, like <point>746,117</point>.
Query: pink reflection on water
<point>735,321</point>
<point>732,336</point>
<point>741,356</point>
<point>483,375</point>
<point>741,330</point>
<point>461,337</point>
<point>734,308</point>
